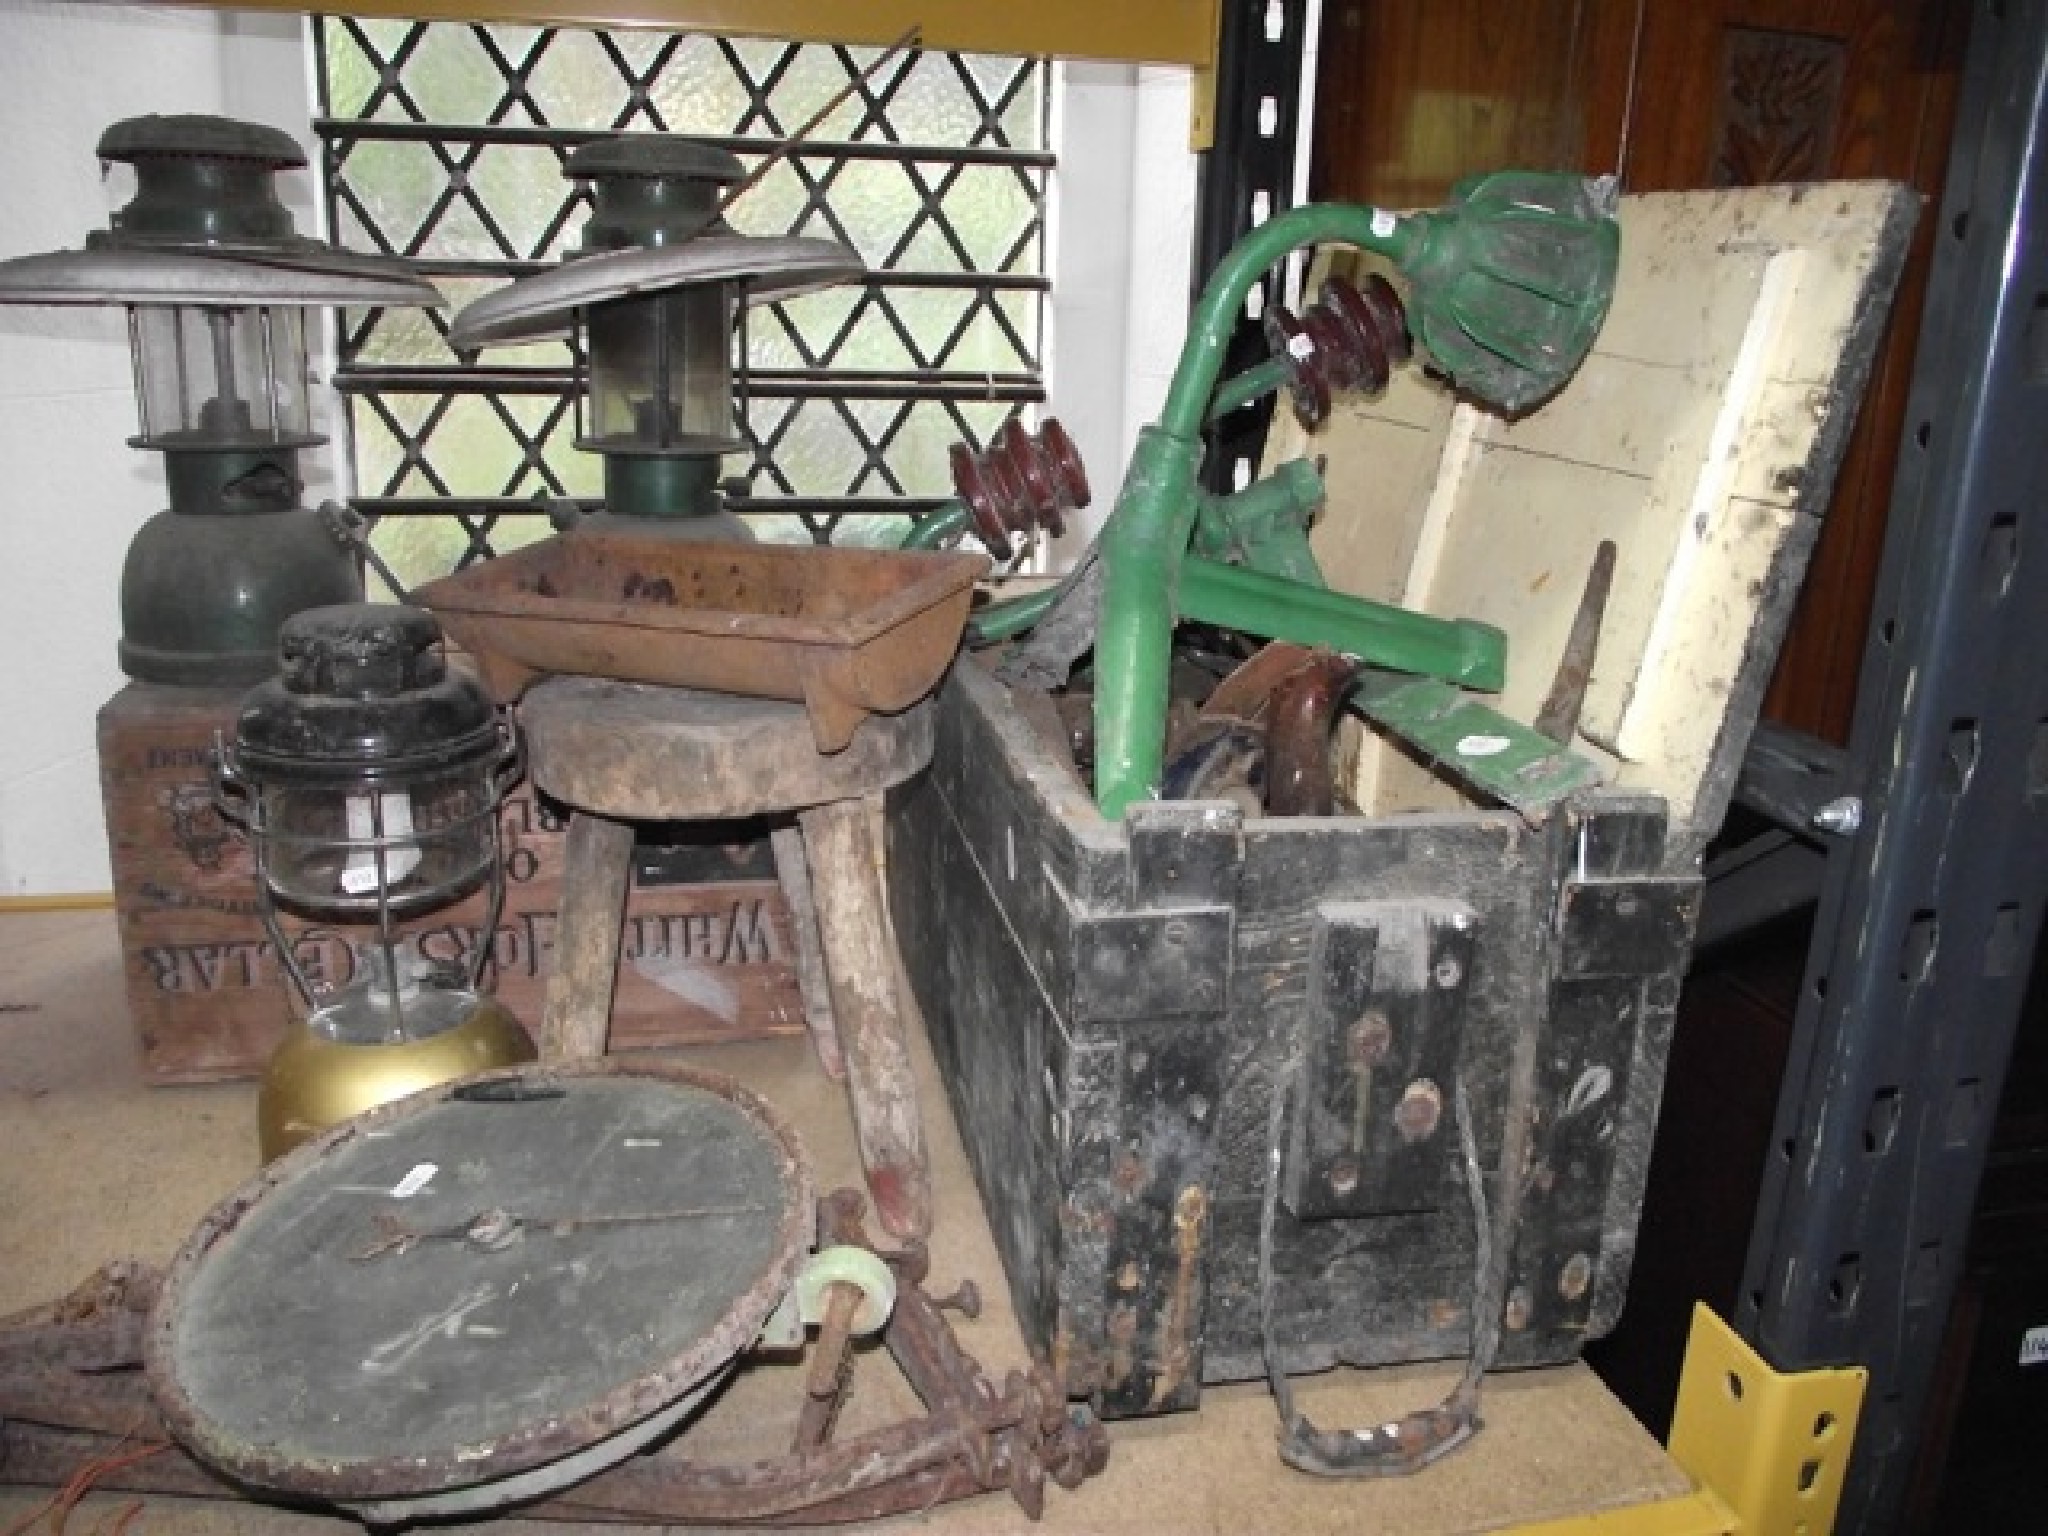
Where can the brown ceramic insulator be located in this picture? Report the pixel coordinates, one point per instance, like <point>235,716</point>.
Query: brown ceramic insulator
<point>1050,468</point>
<point>1308,380</point>
<point>1378,300</point>
<point>1349,339</point>
<point>1020,483</point>
<point>1298,777</point>
<point>1059,448</point>
<point>1035,473</point>
<point>982,500</point>
<point>1357,353</point>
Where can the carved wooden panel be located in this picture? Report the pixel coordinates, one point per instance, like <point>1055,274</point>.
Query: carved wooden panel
<point>1780,101</point>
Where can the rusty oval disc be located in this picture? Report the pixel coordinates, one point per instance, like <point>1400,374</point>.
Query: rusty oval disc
<point>496,1281</point>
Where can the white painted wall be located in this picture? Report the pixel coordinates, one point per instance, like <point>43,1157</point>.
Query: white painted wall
<point>1123,242</point>
<point>73,493</point>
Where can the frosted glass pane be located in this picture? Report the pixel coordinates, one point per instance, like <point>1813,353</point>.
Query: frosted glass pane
<point>396,185</point>
<point>931,315</point>
<point>933,105</point>
<point>575,84</point>
<point>989,210</point>
<point>523,187</point>
<point>452,79</point>
<point>926,215</point>
<point>698,91</point>
<point>820,454</point>
<point>351,74</point>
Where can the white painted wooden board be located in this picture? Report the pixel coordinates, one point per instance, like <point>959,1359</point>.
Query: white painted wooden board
<point>1693,437</point>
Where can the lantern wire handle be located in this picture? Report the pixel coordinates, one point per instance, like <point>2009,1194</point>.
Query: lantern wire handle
<point>240,809</point>
<point>387,939</point>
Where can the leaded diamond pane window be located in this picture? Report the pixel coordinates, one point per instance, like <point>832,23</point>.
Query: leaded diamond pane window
<point>444,144</point>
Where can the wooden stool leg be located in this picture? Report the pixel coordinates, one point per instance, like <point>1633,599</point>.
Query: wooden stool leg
<point>597,866</point>
<point>792,869</point>
<point>861,965</point>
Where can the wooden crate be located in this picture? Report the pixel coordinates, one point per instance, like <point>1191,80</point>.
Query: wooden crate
<point>1148,1025</point>
<point>700,962</point>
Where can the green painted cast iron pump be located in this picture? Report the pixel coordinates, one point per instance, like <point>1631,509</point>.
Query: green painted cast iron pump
<point>1507,287</point>
<point>216,284</point>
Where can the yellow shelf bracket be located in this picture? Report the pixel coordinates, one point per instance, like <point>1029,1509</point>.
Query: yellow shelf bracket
<point>1768,1450</point>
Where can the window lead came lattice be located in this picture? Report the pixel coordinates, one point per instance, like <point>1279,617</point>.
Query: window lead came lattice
<point>443,142</point>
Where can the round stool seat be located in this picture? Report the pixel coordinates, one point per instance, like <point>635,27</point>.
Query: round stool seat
<point>645,753</point>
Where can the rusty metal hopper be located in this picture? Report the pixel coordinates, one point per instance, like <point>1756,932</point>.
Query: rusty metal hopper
<point>849,632</point>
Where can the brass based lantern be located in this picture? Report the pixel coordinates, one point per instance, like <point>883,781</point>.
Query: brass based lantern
<point>650,301</point>
<point>368,780</point>
<point>217,284</point>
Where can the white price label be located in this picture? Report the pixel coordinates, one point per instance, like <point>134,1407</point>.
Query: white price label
<point>401,856</point>
<point>419,1178</point>
<point>1482,746</point>
<point>2034,1346</point>
<point>1384,223</point>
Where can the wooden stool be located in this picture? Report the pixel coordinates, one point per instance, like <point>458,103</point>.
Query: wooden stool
<point>623,752</point>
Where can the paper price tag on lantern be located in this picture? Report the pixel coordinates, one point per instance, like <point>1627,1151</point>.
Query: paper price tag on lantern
<point>401,856</point>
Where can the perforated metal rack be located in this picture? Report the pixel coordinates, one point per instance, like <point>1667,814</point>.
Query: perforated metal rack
<point>1929,912</point>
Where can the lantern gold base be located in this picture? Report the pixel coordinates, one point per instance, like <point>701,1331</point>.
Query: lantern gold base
<point>313,1082</point>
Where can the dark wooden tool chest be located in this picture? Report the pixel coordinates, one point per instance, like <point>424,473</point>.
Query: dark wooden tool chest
<point>1115,1007</point>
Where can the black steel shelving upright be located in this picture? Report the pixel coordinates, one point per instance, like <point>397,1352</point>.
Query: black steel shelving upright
<point>1930,911</point>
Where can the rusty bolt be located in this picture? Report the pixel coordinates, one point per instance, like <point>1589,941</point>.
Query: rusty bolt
<point>1517,1314</point>
<point>1421,1109</point>
<point>1343,1175</point>
<point>1576,1275</point>
<point>964,1298</point>
<point>1372,1036</point>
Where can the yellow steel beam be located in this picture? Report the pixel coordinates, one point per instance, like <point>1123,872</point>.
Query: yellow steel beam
<point>1139,31</point>
<point>1768,1449</point>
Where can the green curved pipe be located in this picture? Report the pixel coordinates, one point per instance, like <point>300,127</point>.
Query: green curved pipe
<point>1009,617</point>
<point>1509,284</point>
<point>937,528</point>
<point>1255,383</point>
<point>1147,533</point>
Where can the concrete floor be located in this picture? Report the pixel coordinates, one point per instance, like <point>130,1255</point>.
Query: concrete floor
<point>94,1164</point>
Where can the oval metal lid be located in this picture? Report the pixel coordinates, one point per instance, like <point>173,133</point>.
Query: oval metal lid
<point>233,275</point>
<point>302,1347</point>
<point>539,307</point>
<point>200,136</point>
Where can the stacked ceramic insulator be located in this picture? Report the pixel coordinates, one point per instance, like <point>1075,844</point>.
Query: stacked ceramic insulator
<point>1349,339</point>
<point>1021,482</point>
